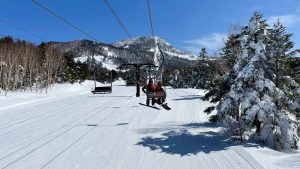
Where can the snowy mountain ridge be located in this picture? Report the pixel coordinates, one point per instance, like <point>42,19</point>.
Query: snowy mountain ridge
<point>136,50</point>
<point>140,40</point>
<point>147,43</point>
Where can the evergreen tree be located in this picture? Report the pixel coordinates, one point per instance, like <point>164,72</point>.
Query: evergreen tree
<point>221,86</point>
<point>205,73</point>
<point>297,72</point>
<point>231,50</point>
<point>75,71</point>
<point>203,54</point>
<point>202,75</point>
<point>129,77</point>
<point>252,101</point>
<point>83,72</point>
<point>7,39</point>
<point>182,78</point>
<point>70,74</point>
<point>279,49</point>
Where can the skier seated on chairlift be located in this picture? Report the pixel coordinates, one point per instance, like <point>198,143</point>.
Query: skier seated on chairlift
<point>161,100</point>
<point>150,87</point>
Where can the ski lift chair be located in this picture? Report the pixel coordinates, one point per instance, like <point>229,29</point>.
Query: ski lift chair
<point>154,95</point>
<point>153,73</point>
<point>103,89</point>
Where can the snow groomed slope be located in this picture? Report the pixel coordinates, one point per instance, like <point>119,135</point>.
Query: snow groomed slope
<point>113,131</point>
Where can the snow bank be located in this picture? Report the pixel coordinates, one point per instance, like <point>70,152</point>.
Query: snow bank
<point>55,91</point>
<point>72,130</point>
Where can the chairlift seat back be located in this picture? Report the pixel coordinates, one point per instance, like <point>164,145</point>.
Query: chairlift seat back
<point>103,89</point>
<point>156,95</point>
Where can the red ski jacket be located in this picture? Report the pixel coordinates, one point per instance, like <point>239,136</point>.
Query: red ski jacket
<point>149,88</point>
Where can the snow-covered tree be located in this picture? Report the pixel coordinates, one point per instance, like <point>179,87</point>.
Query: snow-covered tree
<point>182,78</point>
<point>279,48</point>
<point>297,73</point>
<point>254,105</point>
<point>229,53</point>
<point>200,73</point>
<point>231,50</point>
<point>205,72</point>
<point>203,54</point>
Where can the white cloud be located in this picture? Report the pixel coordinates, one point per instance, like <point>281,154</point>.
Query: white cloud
<point>286,20</point>
<point>213,43</point>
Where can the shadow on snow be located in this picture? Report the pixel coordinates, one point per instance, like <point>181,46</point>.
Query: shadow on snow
<point>180,141</point>
<point>107,95</point>
<point>189,97</point>
<point>97,125</point>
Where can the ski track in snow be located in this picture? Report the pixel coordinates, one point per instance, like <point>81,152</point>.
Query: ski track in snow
<point>112,131</point>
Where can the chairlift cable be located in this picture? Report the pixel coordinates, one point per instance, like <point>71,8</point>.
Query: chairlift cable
<point>117,18</point>
<point>150,19</point>
<point>153,36</point>
<point>64,20</point>
<point>23,30</point>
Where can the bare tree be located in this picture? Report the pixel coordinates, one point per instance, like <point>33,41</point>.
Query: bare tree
<point>23,64</point>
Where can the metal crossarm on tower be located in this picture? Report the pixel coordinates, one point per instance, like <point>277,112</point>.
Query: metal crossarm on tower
<point>137,67</point>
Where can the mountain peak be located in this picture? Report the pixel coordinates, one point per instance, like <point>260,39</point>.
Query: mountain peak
<point>141,40</point>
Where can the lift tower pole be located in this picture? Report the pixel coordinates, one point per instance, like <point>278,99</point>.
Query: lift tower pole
<point>137,67</point>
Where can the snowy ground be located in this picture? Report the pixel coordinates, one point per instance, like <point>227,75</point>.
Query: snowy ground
<point>71,128</point>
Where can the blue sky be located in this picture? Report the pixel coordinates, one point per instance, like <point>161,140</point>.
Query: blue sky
<point>187,24</point>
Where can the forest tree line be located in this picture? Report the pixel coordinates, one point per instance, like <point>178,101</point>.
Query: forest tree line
<point>25,66</point>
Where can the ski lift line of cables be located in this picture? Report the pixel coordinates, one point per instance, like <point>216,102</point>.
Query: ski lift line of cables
<point>117,18</point>
<point>152,32</point>
<point>119,22</point>
<point>23,30</point>
<point>150,19</point>
<point>64,20</point>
